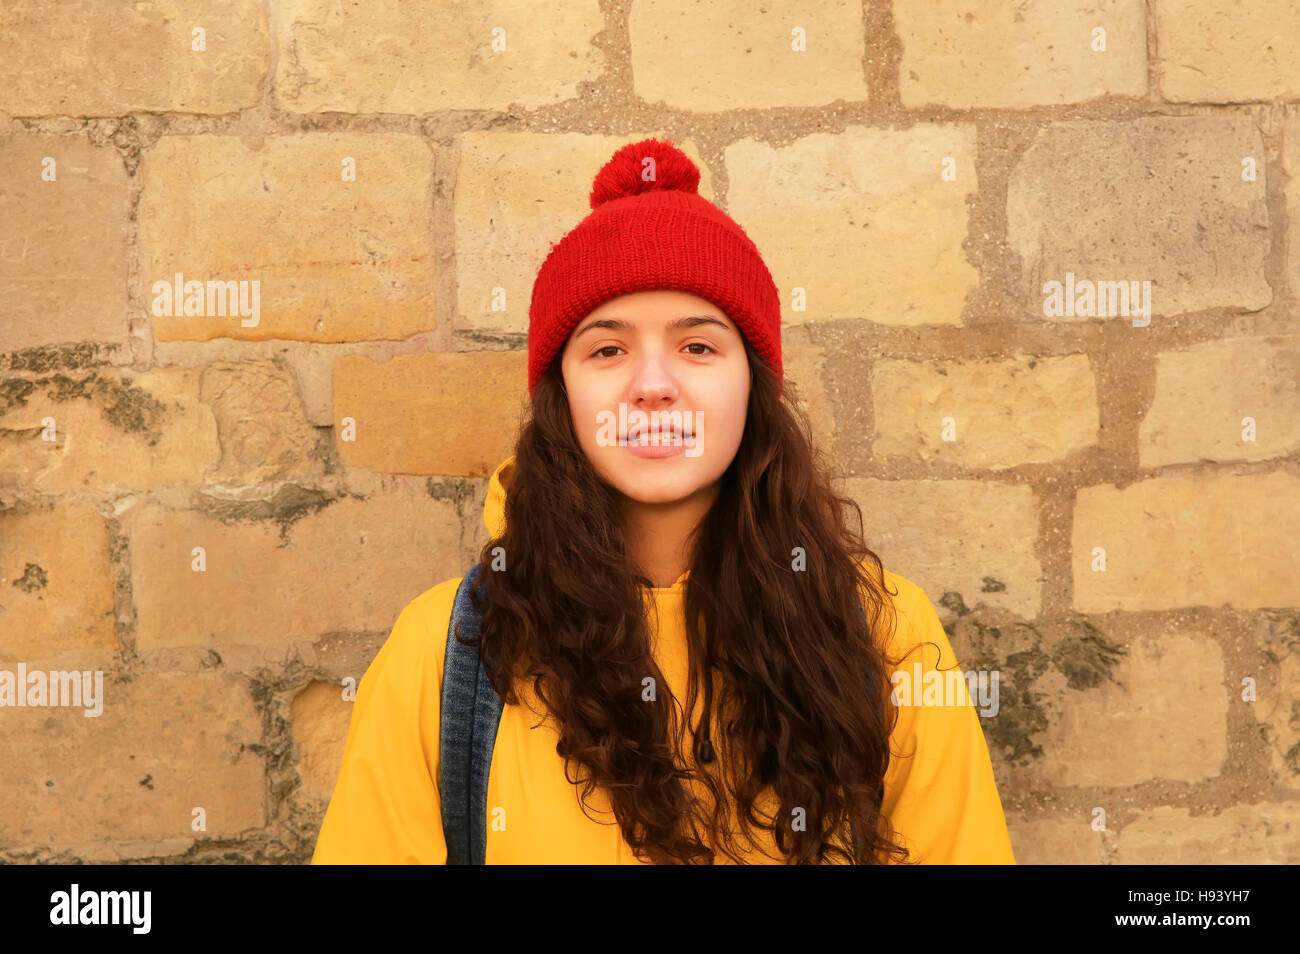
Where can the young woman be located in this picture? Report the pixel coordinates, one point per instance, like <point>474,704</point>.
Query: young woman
<point>665,541</point>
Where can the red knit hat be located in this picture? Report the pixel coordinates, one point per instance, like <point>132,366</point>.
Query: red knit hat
<point>650,229</point>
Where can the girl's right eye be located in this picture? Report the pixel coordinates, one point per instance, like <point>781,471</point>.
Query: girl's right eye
<point>600,351</point>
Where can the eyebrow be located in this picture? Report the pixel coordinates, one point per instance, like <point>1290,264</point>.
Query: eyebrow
<point>617,324</point>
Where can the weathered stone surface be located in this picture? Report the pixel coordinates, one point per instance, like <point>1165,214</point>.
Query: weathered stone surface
<point>1200,540</point>
<point>1014,55</point>
<point>735,55</point>
<point>1205,392</point>
<point>164,744</point>
<point>967,537</point>
<point>1148,199</point>
<point>1291,165</point>
<point>1262,833</point>
<point>1055,841</point>
<point>449,413</point>
<point>320,728</point>
<point>862,221</point>
<point>56,583</point>
<point>114,431</point>
<point>264,433</point>
<point>804,365</point>
<point>997,413</point>
<point>63,272</point>
<point>76,59</point>
<point>1276,689</point>
<point>345,565</point>
<point>1129,728</point>
<point>1212,53</point>
<point>335,260</point>
<point>421,56</point>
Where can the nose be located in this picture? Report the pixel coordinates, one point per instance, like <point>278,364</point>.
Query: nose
<point>652,381</point>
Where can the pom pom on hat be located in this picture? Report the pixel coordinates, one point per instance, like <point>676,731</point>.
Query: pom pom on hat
<point>642,167</point>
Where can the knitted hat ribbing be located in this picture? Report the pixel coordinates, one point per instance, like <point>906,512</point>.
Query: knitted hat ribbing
<point>650,229</point>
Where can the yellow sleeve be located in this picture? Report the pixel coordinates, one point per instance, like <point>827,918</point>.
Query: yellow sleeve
<point>940,794</point>
<point>385,808</point>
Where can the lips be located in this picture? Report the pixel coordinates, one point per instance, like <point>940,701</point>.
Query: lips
<point>634,436</point>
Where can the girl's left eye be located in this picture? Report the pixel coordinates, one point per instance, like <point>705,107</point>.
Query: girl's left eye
<point>700,344</point>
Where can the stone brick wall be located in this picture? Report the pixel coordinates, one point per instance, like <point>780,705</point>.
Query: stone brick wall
<point>225,513</point>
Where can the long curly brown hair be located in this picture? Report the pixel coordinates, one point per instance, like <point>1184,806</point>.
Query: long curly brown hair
<point>797,651</point>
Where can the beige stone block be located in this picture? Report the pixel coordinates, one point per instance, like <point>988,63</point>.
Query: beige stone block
<point>1055,841</point>
<point>968,537</point>
<point>1205,393</point>
<point>164,745</point>
<point>260,420</point>
<point>56,583</point>
<point>715,56</point>
<point>984,413</point>
<point>320,722</point>
<point>346,565</point>
<point>63,272</point>
<point>1012,55</point>
<point>1227,53</point>
<point>1163,714</point>
<point>804,364</point>
<point>113,431</point>
<point>863,223</point>
<point>333,259</point>
<point>422,56</point>
<point>443,413</point>
<point>1291,165</point>
<point>111,59</point>
<point>1257,834</point>
<point>1151,199</point>
<point>1201,540</point>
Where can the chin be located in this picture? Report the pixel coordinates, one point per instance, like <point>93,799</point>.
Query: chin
<point>657,481</point>
<point>656,495</point>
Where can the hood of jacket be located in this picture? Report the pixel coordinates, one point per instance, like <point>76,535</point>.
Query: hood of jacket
<point>494,508</point>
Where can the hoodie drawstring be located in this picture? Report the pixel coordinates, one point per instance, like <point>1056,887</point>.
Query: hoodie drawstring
<point>703,747</point>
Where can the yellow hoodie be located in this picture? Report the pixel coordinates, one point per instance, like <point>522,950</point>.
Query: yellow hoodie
<point>940,793</point>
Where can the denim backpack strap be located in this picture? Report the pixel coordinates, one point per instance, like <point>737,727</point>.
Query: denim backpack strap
<point>470,714</point>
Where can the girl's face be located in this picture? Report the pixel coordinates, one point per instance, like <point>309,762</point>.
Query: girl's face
<point>667,369</point>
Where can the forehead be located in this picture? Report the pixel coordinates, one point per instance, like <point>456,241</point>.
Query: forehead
<point>658,305</point>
